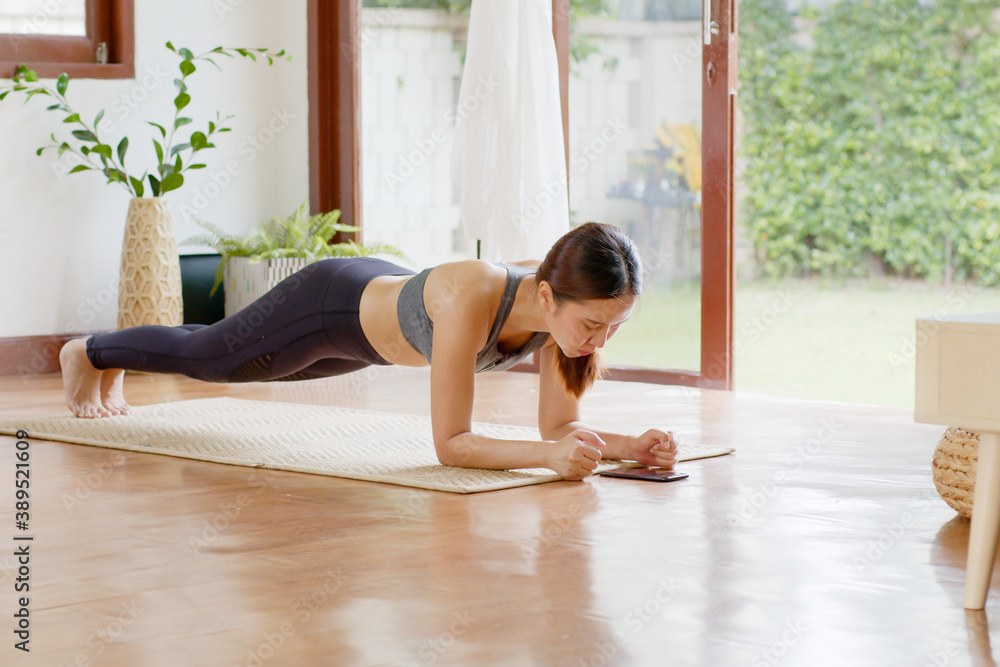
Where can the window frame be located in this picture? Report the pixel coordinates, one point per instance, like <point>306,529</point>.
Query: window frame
<point>109,21</point>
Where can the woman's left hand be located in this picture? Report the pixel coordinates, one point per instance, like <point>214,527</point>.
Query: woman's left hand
<point>655,448</point>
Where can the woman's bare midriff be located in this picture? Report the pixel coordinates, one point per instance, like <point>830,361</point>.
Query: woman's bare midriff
<point>380,322</point>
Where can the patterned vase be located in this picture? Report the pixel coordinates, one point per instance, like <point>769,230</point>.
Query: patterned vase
<point>150,287</point>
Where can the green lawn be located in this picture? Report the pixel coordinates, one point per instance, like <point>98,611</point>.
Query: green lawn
<point>850,342</point>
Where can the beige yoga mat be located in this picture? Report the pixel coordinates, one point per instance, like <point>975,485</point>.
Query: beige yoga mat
<point>341,442</point>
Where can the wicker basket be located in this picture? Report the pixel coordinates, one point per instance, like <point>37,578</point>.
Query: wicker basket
<point>954,468</point>
<point>246,282</point>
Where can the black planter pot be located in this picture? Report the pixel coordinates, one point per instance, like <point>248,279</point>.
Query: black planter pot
<point>197,278</point>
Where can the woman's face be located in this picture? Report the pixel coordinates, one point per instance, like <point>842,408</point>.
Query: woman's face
<point>580,327</point>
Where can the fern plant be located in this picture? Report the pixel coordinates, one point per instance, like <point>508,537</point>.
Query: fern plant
<point>297,235</point>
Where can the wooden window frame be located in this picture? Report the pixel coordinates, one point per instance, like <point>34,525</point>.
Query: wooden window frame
<point>335,167</point>
<point>108,21</point>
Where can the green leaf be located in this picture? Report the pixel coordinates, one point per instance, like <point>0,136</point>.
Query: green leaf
<point>196,166</point>
<point>29,75</point>
<point>39,151</point>
<point>180,122</point>
<point>4,94</point>
<point>51,108</point>
<point>199,141</point>
<point>154,186</point>
<point>171,47</point>
<point>181,86</point>
<point>136,185</point>
<point>211,127</point>
<point>114,175</point>
<point>74,118</point>
<point>163,132</point>
<point>182,101</point>
<point>85,150</point>
<point>187,67</point>
<point>79,167</point>
<point>122,148</point>
<point>178,148</point>
<point>159,151</point>
<point>185,53</point>
<point>102,149</point>
<point>97,121</point>
<point>172,182</point>
<point>62,149</point>
<point>62,83</point>
<point>85,135</point>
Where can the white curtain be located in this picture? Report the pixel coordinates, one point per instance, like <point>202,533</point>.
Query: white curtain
<point>509,159</point>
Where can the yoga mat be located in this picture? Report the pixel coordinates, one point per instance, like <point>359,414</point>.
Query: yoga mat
<point>341,442</point>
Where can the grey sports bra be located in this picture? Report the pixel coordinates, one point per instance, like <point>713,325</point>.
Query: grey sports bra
<point>418,330</point>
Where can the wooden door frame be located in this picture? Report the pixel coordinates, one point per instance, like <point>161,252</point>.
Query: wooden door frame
<point>335,167</point>
<point>718,115</point>
<point>334,117</point>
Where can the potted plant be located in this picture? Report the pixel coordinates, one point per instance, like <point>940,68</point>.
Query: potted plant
<point>150,291</point>
<point>254,264</point>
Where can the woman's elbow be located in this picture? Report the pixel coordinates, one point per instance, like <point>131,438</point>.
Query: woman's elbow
<point>446,453</point>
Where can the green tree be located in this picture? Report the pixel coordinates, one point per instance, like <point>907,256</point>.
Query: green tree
<point>875,144</point>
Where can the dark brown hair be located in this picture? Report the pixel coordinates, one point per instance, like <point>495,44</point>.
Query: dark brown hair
<point>592,261</point>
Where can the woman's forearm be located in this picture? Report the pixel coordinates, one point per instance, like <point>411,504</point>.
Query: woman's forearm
<point>616,444</point>
<point>471,450</point>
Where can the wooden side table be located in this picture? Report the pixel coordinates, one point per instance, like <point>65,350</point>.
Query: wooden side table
<point>958,384</point>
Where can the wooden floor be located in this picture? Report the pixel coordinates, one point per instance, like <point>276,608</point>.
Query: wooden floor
<point>820,542</point>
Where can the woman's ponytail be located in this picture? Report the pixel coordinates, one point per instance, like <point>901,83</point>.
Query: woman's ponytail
<point>592,261</point>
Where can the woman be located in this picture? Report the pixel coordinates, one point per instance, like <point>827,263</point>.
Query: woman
<point>340,315</point>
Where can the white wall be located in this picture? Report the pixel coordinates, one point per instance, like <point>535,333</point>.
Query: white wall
<point>60,235</point>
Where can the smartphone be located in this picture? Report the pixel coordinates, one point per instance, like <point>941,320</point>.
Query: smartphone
<point>649,474</point>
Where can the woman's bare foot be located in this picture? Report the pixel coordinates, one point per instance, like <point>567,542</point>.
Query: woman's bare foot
<point>81,381</point>
<point>112,392</point>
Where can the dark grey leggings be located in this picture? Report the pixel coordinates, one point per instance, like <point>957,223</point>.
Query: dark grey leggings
<point>306,327</point>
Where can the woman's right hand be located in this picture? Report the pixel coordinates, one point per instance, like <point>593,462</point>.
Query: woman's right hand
<point>576,455</point>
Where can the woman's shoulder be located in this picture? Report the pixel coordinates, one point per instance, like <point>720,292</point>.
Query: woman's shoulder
<point>467,279</point>
<point>471,269</point>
